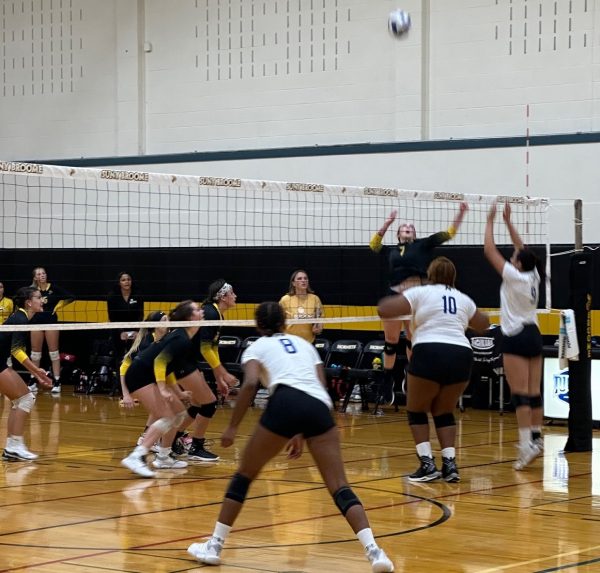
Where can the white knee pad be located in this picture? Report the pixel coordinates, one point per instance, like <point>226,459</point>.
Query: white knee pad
<point>163,425</point>
<point>54,355</point>
<point>179,418</point>
<point>24,403</point>
<point>36,356</point>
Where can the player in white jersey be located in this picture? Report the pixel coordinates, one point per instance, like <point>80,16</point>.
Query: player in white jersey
<point>299,409</point>
<point>522,340</point>
<point>440,366</point>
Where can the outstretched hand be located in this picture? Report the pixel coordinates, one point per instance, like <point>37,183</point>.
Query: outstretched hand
<point>392,217</point>
<point>228,436</point>
<point>492,213</point>
<point>295,447</point>
<point>507,212</point>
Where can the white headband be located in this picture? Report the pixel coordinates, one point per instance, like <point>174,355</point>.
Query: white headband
<point>223,291</point>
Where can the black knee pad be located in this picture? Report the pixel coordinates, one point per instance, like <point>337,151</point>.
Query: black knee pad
<point>390,349</point>
<point>535,401</point>
<point>519,400</point>
<point>208,410</point>
<point>237,490</point>
<point>345,498</point>
<point>417,418</point>
<point>193,411</point>
<point>444,420</point>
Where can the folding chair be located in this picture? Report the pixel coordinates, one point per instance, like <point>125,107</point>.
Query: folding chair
<point>344,355</point>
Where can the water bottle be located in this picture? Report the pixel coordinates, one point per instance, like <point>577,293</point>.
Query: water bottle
<point>376,364</point>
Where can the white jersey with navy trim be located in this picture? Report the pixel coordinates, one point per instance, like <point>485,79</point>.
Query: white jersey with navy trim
<point>519,295</point>
<point>290,360</point>
<point>440,314</point>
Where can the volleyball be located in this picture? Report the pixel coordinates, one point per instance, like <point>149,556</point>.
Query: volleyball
<point>398,23</point>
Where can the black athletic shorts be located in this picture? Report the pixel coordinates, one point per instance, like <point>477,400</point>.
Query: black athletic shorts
<point>183,368</point>
<point>441,362</point>
<point>528,343</point>
<point>290,412</point>
<point>136,377</point>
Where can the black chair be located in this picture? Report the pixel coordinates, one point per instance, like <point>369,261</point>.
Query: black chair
<point>344,355</point>
<point>323,346</point>
<point>487,367</point>
<point>104,378</point>
<point>368,375</point>
<point>230,352</point>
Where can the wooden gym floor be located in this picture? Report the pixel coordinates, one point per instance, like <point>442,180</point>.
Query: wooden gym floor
<point>77,510</point>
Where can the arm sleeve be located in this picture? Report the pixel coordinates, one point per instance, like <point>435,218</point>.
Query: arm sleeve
<point>376,243</point>
<point>18,346</point>
<point>439,238</point>
<point>125,365</point>
<point>210,354</point>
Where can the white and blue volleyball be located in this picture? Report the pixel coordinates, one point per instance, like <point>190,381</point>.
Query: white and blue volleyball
<point>398,23</point>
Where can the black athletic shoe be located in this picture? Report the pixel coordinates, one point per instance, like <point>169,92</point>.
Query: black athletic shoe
<point>200,454</point>
<point>449,470</point>
<point>426,472</point>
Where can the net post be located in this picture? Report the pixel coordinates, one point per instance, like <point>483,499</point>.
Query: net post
<point>580,422</point>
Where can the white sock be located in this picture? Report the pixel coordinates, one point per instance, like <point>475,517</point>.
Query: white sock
<point>221,532</point>
<point>163,452</point>
<point>525,435</point>
<point>365,536</point>
<point>424,449</point>
<point>140,451</point>
<point>449,453</point>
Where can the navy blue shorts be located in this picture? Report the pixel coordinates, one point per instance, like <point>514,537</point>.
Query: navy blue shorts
<point>441,362</point>
<point>290,412</point>
<point>528,343</point>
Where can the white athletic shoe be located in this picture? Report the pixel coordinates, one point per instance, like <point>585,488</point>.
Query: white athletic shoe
<point>137,465</point>
<point>18,453</point>
<point>208,552</point>
<point>168,463</point>
<point>379,561</point>
<point>33,387</point>
<point>55,389</point>
<point>527,453</point>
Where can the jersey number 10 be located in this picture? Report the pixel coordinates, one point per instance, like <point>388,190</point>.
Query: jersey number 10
<point>449,304</point>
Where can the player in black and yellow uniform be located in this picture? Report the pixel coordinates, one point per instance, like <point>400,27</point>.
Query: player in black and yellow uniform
<point>54,298</point>
<point>28,302</point>
<point>407,267</point>
<point>146,381</point>
<point>6,305</point>
<point>205,346</point>
<point>144,338</point>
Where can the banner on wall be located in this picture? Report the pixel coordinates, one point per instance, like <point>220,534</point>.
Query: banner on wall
<point>556,390</point>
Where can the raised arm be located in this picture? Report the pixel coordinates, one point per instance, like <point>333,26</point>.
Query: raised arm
<point>491,252</point>
<point>464,207</point>
<point>375,242</point>
<point>514,235</point>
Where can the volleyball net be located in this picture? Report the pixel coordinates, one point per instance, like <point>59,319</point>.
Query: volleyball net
<point>81,219</point>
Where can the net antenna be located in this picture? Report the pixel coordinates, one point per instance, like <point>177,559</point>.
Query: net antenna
<point>48,206</point>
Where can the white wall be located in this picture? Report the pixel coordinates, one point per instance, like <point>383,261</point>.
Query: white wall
<point>84,78</point>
